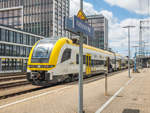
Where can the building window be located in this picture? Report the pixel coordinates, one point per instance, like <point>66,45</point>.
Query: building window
<point>15,37</point>
<point>33,40</point>
<point>24,39</point>
<point>21,51</point>
<point>14,50</point>
<point>11,36</point>
<point>28,40</point>
<point>24,51</point>
<point>2,49</point>
<point>21,38</point>
<point>7,50</point>
<point>18,38</point>
<point>18,51</point>
<point>3,35</point>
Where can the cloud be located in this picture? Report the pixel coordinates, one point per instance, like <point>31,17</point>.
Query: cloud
<point>75,6</point>
<point>137,6</point>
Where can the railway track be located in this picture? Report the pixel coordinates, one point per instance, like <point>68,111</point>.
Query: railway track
<point>13,84</point>
<point>13,80</point>
<point>8,78</point>
<point>10,75</point>
<point>30,88</point>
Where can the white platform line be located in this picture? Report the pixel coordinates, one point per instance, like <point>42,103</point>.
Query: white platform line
<point>26,99</point>
<point>114,96</point>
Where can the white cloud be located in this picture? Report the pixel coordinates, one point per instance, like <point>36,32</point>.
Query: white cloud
<point>107,14</point>
<point>137,6</point>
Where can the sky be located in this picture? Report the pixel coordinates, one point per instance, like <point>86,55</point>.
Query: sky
<point>119,13</point>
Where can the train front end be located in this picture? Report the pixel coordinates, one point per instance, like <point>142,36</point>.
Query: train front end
<point>39,63</point>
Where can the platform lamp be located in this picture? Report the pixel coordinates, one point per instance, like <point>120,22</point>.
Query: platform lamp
<point>128,27</point>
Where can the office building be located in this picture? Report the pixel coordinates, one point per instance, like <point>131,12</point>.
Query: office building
<point>100,25</point>
<point>41,17</point>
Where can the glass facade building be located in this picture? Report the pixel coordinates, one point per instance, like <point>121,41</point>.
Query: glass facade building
<point>15,46</point>
<point>100,25</point>
<point>41,17</point>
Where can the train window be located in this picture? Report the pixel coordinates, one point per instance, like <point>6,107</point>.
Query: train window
<point>77,59</point>
<point>89,60</point>
<point>97,62</point>
<point>66,55</point>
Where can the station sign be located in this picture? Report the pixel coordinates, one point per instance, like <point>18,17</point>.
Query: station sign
<point>77,26</point>
<point>82,27</point>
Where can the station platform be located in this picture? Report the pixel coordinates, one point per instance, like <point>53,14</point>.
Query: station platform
<point>135,96</point>
<point>125,95</point>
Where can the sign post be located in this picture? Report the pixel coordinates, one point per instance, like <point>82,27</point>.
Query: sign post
<point>81,67</point>
<point>81,74</point>
<point>78,26</point>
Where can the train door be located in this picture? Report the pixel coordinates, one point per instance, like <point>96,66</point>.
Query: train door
<point>88,64</point>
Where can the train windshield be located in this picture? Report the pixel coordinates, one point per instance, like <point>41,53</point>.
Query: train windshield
<point>42,51</point>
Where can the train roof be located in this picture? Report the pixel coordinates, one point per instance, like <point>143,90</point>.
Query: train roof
<point>87,46</point>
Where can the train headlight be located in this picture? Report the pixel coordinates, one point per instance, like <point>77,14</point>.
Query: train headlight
<point>40,66</point>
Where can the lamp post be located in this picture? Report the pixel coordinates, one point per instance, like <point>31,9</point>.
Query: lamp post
<point>128,27</point>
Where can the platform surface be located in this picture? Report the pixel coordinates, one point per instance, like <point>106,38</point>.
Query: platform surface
<point>135,97</point>
<point>64,98</point>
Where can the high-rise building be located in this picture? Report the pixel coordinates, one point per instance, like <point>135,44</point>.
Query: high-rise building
<point>41,17</point>
<point>100,25</point>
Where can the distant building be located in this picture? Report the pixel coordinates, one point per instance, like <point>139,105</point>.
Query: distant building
<point>100,25</point>
<point>41,17</point>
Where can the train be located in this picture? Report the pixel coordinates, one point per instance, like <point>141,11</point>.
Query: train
<point>56,60</point>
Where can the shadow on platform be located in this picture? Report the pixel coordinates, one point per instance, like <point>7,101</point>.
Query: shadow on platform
<point>131,111</point>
